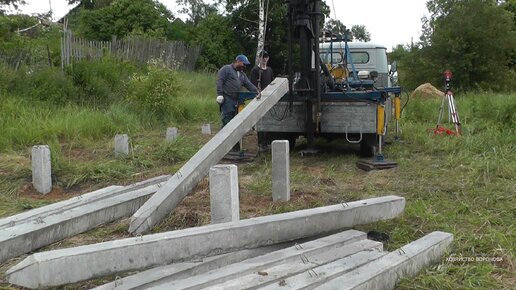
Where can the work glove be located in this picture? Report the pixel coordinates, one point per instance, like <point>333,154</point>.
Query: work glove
<point>220,100</point>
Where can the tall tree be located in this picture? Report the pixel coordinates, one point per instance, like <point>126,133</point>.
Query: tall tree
<point>196,9</point>
<point>218,41</point>
<point>6,3</point>
<point>263,7</point>
<point>360,33</point>
<point>244,18</point>
<point>474,38</point>
<point>335,26</point>
<point>126,17</point>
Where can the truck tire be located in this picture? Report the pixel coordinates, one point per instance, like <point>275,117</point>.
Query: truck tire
<point>292,142</point>
<point>369,141</point>
<point>265,139</point>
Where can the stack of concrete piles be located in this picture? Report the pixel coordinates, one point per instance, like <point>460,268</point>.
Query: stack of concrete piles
<point>260,252</point>
<point>33,229</point>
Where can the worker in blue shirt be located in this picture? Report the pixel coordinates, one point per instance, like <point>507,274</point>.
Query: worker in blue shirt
<point>230,80</point>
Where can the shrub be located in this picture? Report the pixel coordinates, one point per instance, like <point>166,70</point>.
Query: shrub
<point>51,85</point>
<point>152,93</point>
<point>100,82</point>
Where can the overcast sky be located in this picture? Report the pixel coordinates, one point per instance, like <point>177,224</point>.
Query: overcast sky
<point>390,22</point>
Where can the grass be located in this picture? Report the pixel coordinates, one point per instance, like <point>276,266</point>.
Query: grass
<point>462,185</point>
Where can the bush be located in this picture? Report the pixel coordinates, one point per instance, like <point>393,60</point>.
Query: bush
<point>51,85</point>
<point>100,83</point>
<point>6,77</point>
<point>153,93</point>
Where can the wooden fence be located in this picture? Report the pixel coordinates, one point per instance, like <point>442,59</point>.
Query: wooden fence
<point>174,54</point>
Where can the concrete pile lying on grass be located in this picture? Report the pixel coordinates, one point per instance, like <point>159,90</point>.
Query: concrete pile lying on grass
<point>27,231</point>
<point>71,265</point>
<point>389,269</point>
<point>345,260</point>
<point>271,267</point>
<point>183,270</point>
<point>173,192</point>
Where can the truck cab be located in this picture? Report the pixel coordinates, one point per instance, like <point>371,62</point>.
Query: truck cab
<point>364,57</point>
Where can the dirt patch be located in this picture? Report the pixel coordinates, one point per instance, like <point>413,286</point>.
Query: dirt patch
<point>327,182</point>
<point>252,205</point>
<point>27,190</point>
<point>81,154</point>
<point>426,91</point>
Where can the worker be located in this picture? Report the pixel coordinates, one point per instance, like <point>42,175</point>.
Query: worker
<point>261,77</point>
<point>261,74</point>
<point>230,80</point>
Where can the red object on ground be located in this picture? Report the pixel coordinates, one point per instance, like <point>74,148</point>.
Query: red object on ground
<point>443,131</point>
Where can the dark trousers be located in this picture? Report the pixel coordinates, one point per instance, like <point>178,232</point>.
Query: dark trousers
<point>228,111</point>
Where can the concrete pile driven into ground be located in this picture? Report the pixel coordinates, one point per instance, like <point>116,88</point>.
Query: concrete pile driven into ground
<point>33,229</point>
<point>59,267</point>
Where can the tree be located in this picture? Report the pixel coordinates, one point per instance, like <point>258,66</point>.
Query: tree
<point>335,26</point>
<point>244,20</point>
<point>218,41</point>
<point>360,33</point>
<point>91,4</point>
<point>196,9</point>
<point>6,3</point>
<point>475,39</point>
<point>262,25</point>
<point>126,17</point>
<point>15,3</point>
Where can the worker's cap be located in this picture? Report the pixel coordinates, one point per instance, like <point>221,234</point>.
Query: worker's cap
<point>264,53</point>
<point>243,59</point>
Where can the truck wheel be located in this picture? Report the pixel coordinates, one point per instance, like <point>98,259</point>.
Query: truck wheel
<point>264,141</point>
<point>292,142</point>
<point>367,145</point>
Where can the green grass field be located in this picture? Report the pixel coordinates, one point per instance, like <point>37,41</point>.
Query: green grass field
<point>462,185</point>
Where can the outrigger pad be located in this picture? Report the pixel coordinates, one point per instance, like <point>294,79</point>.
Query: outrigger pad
<point>375,164</point>
<point>239,156</point>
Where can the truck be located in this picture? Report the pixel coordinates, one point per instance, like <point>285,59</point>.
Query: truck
<point>343,89</point>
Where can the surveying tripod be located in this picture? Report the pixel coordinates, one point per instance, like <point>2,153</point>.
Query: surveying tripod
<point>453,115</point>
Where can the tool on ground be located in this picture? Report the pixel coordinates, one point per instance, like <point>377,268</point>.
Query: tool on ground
<point>453,115</point>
